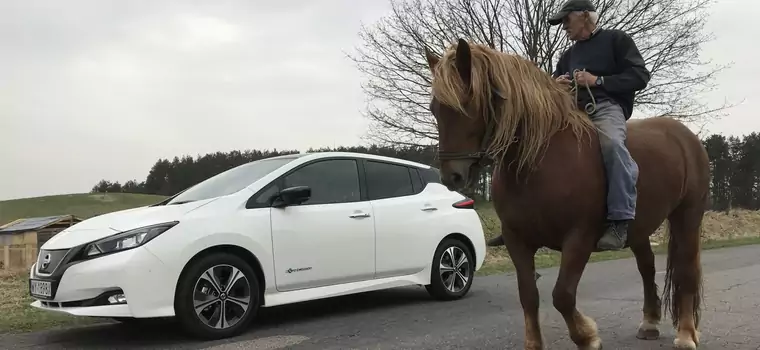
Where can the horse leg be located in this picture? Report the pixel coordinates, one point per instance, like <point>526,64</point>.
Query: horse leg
<point>495,241</point>
<point>523,258</point>
<point>576,251</point>
<point>652,306</point>
<point>683,279</point>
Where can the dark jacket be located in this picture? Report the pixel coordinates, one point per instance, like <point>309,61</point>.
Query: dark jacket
<point>612,55</point>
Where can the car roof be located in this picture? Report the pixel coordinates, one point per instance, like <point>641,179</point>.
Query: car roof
<point>317,155</point>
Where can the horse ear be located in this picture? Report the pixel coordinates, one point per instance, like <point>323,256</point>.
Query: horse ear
<point>432,59</point>
<point>464,61</point>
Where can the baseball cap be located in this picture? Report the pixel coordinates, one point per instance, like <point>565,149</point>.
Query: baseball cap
<point>570,6</point>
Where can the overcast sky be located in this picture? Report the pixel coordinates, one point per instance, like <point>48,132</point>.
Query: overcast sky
<point>93,89</point>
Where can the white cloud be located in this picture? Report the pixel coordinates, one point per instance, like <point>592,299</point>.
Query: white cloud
<point>96,89</point>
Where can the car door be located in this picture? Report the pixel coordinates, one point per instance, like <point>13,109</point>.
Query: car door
<point>402,218</point>
<point>330,238</point>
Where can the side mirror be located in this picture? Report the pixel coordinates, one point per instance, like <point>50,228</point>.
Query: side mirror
<point>292,196</point>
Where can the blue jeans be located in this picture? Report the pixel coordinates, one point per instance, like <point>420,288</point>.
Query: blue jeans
<point>622,170</point>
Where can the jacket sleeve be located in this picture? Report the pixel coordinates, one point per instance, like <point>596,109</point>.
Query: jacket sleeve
<point>635,75</point>
<point>560,66</point>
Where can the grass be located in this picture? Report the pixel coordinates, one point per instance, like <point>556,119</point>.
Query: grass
<point>83,205</point>
<point>735,228</point>
<point>499,262</point>
<point>720,230</point>
<point>18,316</point>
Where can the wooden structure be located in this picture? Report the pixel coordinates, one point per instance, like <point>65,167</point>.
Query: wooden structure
<point>20,240</point>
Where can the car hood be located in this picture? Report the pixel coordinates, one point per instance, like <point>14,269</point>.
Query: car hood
<point>109,224</point>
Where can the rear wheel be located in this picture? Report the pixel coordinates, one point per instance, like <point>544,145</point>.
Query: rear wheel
<point>218,296</point>
<point>453,270</point>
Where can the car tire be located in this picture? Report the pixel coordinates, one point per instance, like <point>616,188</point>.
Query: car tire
<point>217,296</point>
<point>440,286</point>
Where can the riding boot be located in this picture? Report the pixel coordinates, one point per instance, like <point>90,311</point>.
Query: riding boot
<point>615,236</point>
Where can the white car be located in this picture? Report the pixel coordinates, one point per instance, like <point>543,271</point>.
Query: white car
<point>276,231</point>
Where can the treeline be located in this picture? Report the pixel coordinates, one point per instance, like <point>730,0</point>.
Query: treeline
<point>735,168</point>
<point>168,177</point>
<point>734,162</point>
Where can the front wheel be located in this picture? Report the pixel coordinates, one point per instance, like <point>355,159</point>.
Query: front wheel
<point>218,296</point>
<point>453,270</point>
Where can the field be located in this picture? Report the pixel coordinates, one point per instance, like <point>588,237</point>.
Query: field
<point>721,230</point>
<point>82,205</point>
<point>739,227</point>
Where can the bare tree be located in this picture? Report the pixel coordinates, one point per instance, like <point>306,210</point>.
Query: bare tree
<point>669,34</point>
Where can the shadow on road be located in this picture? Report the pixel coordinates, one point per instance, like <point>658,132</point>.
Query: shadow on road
<point>165,333</point>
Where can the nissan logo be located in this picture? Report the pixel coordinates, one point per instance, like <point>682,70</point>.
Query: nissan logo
<point>46,262</point>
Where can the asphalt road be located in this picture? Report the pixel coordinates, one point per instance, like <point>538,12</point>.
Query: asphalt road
<point>490,317</point>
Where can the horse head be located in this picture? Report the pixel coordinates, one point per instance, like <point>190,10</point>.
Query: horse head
<point>484,101</point>
<point>463,129</point>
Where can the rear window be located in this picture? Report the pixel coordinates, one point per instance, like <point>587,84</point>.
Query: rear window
<point>388,180</point>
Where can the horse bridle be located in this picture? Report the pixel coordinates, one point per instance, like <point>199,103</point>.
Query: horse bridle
<point>480,156</point>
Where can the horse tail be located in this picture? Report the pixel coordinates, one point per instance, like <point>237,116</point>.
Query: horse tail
<point>683,275</point>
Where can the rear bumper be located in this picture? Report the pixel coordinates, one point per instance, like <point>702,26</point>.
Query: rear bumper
<point>479,243</point>
<point>478,239</point>
<point>89,288</point>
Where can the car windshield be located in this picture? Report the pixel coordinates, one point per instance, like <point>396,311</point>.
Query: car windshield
<point>232,180</point>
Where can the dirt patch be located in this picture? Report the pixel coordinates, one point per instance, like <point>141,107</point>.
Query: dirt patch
<point>738,223</point>
<point>717,226</point>
<point>102,197</point>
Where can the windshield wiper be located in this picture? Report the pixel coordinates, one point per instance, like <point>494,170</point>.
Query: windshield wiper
<point>182,202</point>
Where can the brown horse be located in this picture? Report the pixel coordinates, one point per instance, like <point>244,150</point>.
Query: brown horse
<point>549,184</point>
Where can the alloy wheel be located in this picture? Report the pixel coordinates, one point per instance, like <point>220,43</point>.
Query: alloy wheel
<point>221,296</point>
<point>454,269</point>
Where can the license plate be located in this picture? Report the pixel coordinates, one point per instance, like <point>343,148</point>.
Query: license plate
<point>41,288</point>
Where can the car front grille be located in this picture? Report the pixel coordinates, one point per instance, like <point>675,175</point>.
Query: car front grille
<point>49,260</point>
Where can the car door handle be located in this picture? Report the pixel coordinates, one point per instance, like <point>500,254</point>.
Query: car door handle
<point>429,208</point>
<point>359,215</point>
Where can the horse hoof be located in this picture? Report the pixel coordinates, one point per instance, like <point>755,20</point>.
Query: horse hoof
<point>648,334</point>
<point>533,345</point>
<point>595,344</point>
<point>684,344</point>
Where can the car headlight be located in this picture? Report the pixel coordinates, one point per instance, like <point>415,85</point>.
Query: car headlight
<point>126,240</point>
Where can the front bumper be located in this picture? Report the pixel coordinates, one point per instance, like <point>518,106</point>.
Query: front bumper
<point>83,288</point>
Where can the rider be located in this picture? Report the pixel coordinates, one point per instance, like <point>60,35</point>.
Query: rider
<point>608,63</point>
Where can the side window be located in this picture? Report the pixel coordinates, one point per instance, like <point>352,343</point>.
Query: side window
<point>430,175</point>
<point>331,181</point>
<point>416,182</point>
<point>387,180</point>
<point>264,197</point>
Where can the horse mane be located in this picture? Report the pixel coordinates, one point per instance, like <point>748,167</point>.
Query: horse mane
<point>533,103</point>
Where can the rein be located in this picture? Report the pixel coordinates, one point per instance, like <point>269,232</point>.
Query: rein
<point>481,155</point>
<point>591,106</point>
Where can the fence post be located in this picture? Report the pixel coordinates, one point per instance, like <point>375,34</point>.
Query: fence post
<point>7,257</point>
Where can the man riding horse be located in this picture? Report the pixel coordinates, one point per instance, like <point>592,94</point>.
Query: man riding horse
<point>607,70</point>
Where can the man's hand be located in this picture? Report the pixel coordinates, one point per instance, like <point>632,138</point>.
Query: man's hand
<point>585,78</point>
<point>564,80</point>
